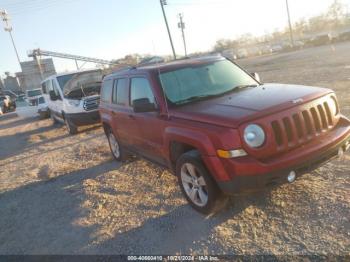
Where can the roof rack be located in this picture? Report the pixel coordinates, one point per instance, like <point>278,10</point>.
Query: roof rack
<point>125,68</point>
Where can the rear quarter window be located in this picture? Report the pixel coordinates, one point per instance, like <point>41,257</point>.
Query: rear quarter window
<point>106,91</point>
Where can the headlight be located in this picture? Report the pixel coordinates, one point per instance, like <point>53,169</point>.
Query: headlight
<point>254,135</point>
<point>333,106</point>
<point>73,102</point>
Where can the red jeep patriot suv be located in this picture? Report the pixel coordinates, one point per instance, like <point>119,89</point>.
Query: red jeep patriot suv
<point>217,128</point>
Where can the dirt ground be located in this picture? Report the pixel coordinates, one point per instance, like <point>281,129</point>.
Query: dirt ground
<point>62,194</point>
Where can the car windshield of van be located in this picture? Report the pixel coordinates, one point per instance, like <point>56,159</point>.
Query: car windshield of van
<point>63,80</point>
<point>32,93</point>
<point>195,83</point>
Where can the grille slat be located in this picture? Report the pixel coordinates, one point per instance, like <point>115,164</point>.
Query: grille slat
<point>322,115</point>
<point>298,126</point>
<point>316,120</point>
<point>91,103</point>
<point>302,126</point>
<point>328,113</point>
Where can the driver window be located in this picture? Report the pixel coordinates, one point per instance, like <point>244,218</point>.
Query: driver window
<point>140,88</point>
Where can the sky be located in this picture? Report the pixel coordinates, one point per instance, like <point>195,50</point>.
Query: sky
<point>111,29</point>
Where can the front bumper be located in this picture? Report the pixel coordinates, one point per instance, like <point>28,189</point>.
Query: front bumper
<point>249,174</point>
<point>86,118</point>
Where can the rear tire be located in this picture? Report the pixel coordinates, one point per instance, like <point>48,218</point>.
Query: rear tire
<point>116,149</point>
<point>197,185</point>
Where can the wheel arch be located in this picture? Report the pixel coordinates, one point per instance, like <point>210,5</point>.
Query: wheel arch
<point>181,140</point>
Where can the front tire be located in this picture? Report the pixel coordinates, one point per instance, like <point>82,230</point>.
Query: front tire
<point>197,185</point>
<point>53,119</point>
<point>71,128</point>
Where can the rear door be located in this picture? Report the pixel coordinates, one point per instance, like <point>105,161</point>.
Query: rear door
<point>105,101</point>
<point>123,123</point>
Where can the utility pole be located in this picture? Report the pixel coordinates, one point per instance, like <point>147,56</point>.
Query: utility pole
<point>162,4</point>
<point>181,25</point>
<point>290,24</point>
<point>8,28</point>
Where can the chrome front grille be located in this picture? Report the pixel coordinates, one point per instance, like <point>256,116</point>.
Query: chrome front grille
<point>300,127</point>
<point>91,103</point>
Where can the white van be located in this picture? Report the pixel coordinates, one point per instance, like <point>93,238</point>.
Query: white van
<point>73,98</point>
<point>32,96</point>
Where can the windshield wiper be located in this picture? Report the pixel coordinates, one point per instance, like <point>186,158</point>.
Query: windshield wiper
<point>244,86</point>
<point>194,98</point>
<point>202,97</point>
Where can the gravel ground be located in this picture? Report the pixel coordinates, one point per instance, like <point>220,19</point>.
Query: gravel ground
<point>62,194</point>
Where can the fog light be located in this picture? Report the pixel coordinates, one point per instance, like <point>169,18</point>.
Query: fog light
<point>291,176</point>
<point>340,152</point>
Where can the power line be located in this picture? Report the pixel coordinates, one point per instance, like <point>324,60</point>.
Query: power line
<point>37,6</point>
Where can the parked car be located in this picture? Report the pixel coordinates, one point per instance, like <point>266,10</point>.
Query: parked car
<point>73,98</point>
<point>32,96</point>
<point>320,40</point>
<point>242,53</point>
<point>229,54</point>
<point>10,93</point>
<point>7,104</point>
<point>218,129</point>
<point>276,48</point>
<point>345,36</point>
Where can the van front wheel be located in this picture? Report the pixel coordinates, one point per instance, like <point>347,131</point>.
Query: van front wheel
<point>72,129</point>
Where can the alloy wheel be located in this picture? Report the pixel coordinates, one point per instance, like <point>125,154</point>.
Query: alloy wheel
<point>114,145</point>
<point>194,184</point>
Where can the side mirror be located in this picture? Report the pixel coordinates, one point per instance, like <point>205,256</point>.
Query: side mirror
<point>53,96</point>
<point>256,76</point>
<point>143,105</point>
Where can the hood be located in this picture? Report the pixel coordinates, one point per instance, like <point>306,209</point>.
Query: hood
<point>247,104</point>
<point>83,84</point>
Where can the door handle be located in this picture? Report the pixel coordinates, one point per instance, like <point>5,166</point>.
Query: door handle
<point>131,116</point>
<point>113,113</point>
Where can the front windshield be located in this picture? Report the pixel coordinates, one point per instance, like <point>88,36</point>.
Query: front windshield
<point>212,79</point>
<point>31,93</point>
<point>63,80</point>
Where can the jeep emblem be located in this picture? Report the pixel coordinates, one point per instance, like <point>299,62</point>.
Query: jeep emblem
<point>297,101</point>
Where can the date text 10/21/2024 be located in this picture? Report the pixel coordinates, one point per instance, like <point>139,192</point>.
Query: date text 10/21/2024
<point>172,258</point>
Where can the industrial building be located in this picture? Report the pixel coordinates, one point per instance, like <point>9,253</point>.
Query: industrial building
<point>11,83</point>
<point>32,74</point>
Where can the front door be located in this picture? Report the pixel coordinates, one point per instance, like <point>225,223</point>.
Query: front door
<point>58,103</point>
<point>150,126</point>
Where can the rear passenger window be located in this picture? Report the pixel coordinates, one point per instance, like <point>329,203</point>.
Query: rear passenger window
<point>121,92</point>
<point>106,91</point>
<point>141,88</point>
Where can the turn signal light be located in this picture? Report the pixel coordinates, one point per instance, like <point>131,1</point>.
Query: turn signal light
<point>231,153</point>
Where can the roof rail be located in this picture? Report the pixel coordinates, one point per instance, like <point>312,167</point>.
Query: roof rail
<point>125,68</point>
